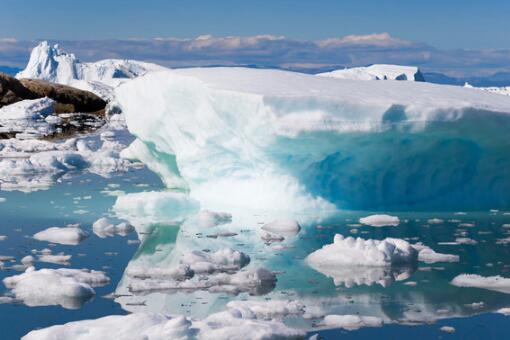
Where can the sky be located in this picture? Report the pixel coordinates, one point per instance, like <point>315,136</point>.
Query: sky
<point>447,24</point>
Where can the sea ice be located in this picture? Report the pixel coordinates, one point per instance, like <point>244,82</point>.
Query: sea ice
<point>66,235</point>
<point>69,288</point>
<point>283,227</point>
<point>380,220</point>
<point>496,283</point>
<point>351,322</point>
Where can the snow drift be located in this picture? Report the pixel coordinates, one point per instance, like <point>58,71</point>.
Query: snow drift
<point>288,141</point>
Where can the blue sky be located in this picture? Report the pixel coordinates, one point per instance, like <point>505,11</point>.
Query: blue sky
<point>440,23</point>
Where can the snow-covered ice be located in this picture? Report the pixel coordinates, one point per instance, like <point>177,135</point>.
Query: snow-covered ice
<point>380,220</point>
<point>65,235</point>
<point>351,322</point>
<point>496,283</point>
<point>377,72</point>
<point>283,227</point>
<point>69,288</point>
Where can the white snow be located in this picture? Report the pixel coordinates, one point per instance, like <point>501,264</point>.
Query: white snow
<point>104,227</point>
<point>66,235</point>
<point>380,220</point>
<point>28,118</point>
<point>66,287</point>
<point>351,322</point>
<point>238,137</point>
<point>283,227</point>
<point>496,283</point>
<point>377,72</point>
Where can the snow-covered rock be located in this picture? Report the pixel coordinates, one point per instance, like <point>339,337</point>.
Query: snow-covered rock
<point>377,72</point>
<point>52,64</point>
<point>69,288</point>
<point>66,235</point>
<point>293,142</point>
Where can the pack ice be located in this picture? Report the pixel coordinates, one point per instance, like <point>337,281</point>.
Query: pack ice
<point>286,141</point>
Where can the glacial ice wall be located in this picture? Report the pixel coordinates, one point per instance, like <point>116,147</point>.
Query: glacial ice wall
<point>287,141</point>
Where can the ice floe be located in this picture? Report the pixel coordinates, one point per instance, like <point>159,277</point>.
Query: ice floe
<point>380,220</point>
<point>208,219</point>
<point>283,227</point>
<point>351,322</point>
<point>496,283</point>
<point>69,288</point>
<point>65,235</point>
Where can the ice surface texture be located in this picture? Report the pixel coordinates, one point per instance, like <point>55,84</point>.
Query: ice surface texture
<point>289,141</point>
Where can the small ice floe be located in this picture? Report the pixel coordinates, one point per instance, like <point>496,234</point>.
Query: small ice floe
<point>411,283</point>
<point>495,283</point>
<point>69,288</point>
<point>3,237</point>
<point>465,240</point>
<point>27,260</point>
<point>351,261</point>
<point>270,238</point>
<point>67,235</point>
<point>283,227</point>
<point>466,225</point>
<point>267,309</point>
<point>351,322</point>
<point>3,199</point>
<point>476,305</point>
<point>428,255</point>
<point>435,221</point>
<point>209,219</point>
<point>447,329</point>
<point>380,221</point>
<point>59,258</point>
<point>504,311</point>
<point>229,324</point>
<point>104,227</point>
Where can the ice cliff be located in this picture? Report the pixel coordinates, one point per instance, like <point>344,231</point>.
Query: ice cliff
<point>288,141</point>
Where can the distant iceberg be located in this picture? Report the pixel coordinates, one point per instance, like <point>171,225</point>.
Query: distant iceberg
<point>377,72</point>
<point>287,141</point>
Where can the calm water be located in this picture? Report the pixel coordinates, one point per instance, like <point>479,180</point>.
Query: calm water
<point>413,299</point>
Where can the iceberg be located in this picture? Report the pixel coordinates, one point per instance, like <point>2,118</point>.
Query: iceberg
<point>284,141</point>
<point>377,72</point>
<point>51,63</point>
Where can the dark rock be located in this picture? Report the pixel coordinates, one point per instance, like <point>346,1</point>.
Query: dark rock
<point>69,99</point>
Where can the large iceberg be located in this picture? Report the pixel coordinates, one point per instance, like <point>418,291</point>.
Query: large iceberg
<point>51,63</point>
<point>289,141</point>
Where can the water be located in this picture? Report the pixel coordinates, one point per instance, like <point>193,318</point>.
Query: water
<point>412,310</point>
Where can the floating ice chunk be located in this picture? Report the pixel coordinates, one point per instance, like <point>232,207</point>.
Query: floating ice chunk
<point>269,238</point>
<point>283,227</point>
<point>435,221</point>
<point>504,311</point>
<point>229,324</point>
<point>27,260</point>
<point>351,322</point>
<point>465,240</point>
<point>207,219</point>
<point>360,252</point>
<point>428,255</point>
<point>155,207</point>
<point>447,329</point>
<point>67,235</point>
<point>69,288</point>
<point>268,309</point>
<point>132,326</point>
<point>104,227</point>
<point>496,283</point>
<point>380,220</point>
<point>61,258</point>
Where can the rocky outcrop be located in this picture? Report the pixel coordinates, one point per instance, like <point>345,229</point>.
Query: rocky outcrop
<point>68,99</point>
